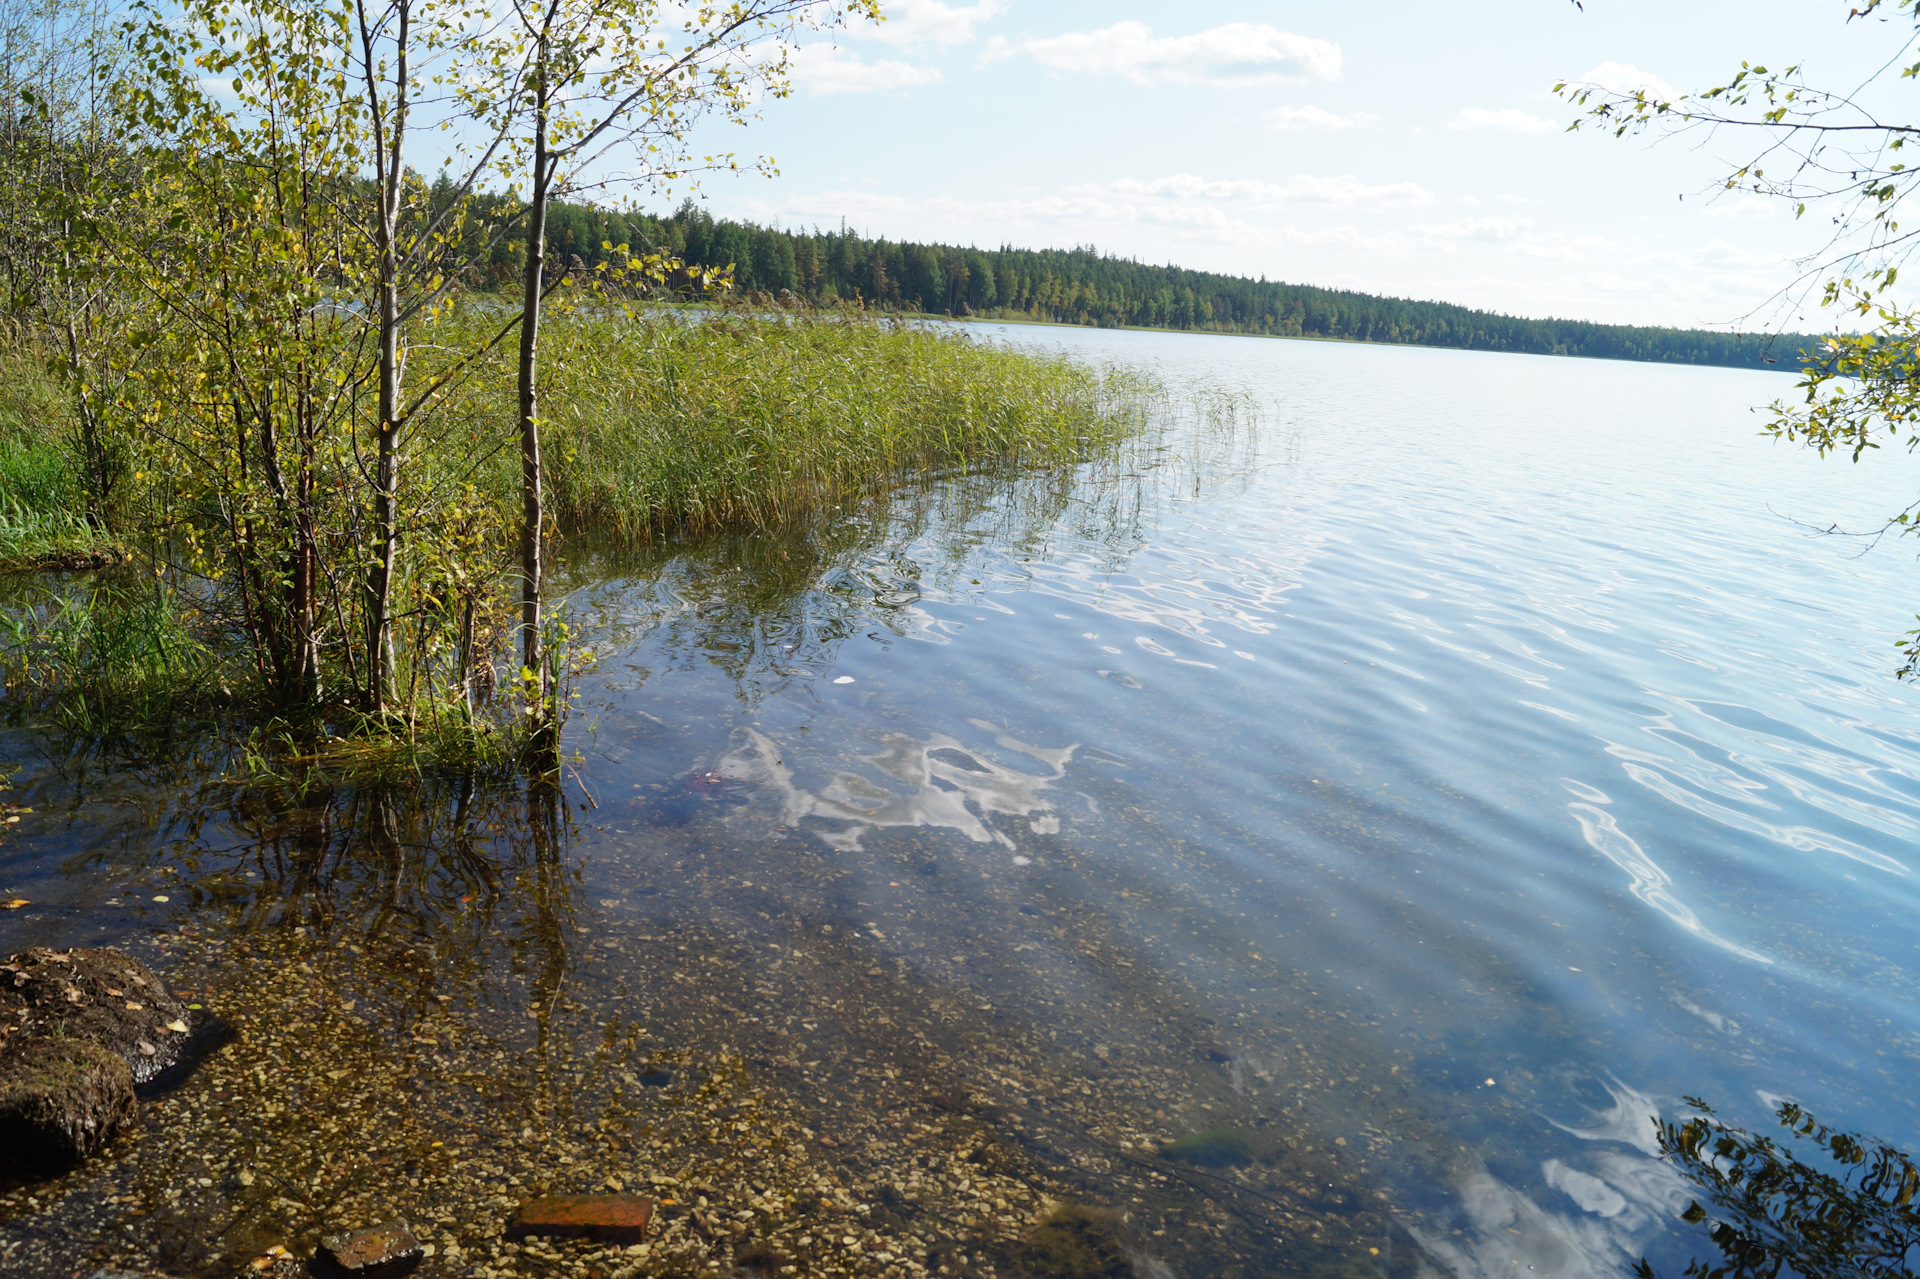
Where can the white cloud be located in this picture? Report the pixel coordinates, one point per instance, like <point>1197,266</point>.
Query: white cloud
<point>1716,255</point>
<point>1624,77</point>
<point>1495,230</point>
<point>917,22</point>
<point>1745,288</point>
<point>1299,119</point>
<point>1238,55</point>
<point>1516,236</point>
<point>1607,282</point>
<point>1342,191</point>
<point>1213,214</point>
<point>1506,120</point>
<point>1741,207</point>
<point>1562,247</point>
<point>826,68</point>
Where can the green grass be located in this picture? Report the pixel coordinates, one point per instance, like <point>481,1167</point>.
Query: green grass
<point>104,658</point>
<point>51,539</point>
<point>35,475</point>
<point>42,524</point>
<point>658,423</point>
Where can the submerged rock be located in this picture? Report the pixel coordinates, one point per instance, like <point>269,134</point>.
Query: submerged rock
<point>1217,1148</point>
<point>378,1252</point>
<point>1075,1242</point>
<point>79,1031</point>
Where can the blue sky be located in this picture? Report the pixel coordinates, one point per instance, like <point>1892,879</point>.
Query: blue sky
<point>1402,148</point>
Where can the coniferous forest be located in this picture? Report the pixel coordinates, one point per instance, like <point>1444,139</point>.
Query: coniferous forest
<point>1085,286</point>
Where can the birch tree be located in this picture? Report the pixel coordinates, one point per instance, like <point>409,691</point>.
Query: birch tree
<point>602,94</point>
<point>300,256</point>
<point>62,167</point>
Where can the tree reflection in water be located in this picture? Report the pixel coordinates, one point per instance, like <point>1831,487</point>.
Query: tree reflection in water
<point>1846,1210</point>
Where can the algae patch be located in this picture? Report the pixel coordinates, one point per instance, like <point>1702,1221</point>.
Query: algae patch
<point>1216,1148</point>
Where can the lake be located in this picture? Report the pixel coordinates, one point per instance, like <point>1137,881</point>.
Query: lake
<point>1390,786</point>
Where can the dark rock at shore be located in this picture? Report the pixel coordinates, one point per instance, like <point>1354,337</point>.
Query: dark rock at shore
<point>72,561</point>
<point>79,1031</point>
<point>61,1099</point>
<point>107,996</point>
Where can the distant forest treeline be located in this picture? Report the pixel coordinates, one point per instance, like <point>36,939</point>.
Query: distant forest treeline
<point>1084,286</point>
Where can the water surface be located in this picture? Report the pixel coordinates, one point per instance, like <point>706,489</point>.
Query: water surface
<point>1461,761</point>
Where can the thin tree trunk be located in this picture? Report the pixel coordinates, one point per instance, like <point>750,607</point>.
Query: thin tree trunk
<point>386,481</point>
<point>306,556</point>
<point>78,350</point>
<point>532,513</point>
<point>301,675</point>
<point>466,651</point>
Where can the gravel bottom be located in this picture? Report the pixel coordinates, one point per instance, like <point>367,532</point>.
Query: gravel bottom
<point>803,1091</point>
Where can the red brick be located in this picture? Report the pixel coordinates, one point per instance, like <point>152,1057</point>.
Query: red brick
<point>606,1218</point>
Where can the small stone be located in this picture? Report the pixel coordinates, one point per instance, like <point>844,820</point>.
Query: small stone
<point>605,1218</point>
<point>378,1252</point>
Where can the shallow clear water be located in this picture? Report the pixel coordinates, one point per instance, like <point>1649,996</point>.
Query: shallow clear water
<point>1430,782</point>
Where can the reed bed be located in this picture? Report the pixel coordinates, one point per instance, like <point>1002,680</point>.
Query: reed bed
<point>663,424</point>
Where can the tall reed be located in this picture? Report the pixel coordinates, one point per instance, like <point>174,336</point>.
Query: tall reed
<point>660,422</point>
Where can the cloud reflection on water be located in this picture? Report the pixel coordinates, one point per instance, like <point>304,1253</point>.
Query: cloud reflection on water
<point>940,782</point>
<point>1623,1192</point>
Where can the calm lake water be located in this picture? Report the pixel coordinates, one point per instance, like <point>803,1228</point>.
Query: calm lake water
<point>1416,787</point>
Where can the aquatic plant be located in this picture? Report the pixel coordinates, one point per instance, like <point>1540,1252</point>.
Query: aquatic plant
<point>104,657</point>
<point>43,521</point>
<point>1215,1148</point>
<point>51,539</point>
<point>1074,1242</point>
<point>665,425</point>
